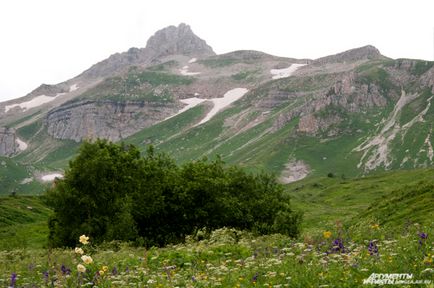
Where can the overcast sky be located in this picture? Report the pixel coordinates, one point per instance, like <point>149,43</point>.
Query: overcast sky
<point>50,41</point>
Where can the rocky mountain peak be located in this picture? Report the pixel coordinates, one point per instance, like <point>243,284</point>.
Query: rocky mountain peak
<point>367,52</point>
<point>177,40</point>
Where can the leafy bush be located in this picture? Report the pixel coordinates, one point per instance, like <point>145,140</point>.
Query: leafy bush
<point>110,192</point>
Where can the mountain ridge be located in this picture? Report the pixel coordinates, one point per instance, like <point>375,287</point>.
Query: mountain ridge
<point>296,117</point>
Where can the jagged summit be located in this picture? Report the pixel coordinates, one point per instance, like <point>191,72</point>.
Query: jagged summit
<point>367,52</point>
<point>177,40</point>
<point>171,40</point>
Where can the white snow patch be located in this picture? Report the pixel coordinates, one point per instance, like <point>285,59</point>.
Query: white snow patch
<point>73,87</point>
<point>191,102</point>
<point>51,177</point>
<point>35,102</point>
<point>220,103</point>
<point>21,144</point>
<point>285,72</point>
<point>192,60</point>
<point>184,71</point>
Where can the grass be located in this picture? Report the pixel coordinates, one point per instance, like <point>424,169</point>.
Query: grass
<point>13,178</point>
<point>420,67</point>
<point>23,222</point>
<point>229,258</point>
<point>166,129</point>
<point>218,62</point>
<point>325,200</point>
<point>377,222</point>
<point>153,86</point>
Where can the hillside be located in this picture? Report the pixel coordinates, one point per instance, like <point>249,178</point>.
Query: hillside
<point>354,113</point>
<point>392,199</point>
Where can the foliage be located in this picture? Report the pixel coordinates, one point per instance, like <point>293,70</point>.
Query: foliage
<point>420,67</point>
<point>112,193</point>
<point>230,258</point>
<point>153,86</point>
<point>218,62</point>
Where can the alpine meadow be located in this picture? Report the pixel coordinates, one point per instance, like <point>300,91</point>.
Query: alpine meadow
<point>174,166</point>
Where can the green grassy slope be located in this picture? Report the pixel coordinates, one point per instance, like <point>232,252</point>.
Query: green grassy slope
<point>23,222</point>
<point>392,198</point>
<point>15,177</point>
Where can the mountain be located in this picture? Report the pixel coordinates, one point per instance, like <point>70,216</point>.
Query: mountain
<point>348,114</point>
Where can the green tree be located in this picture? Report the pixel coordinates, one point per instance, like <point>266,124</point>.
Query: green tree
<point>111,192</point>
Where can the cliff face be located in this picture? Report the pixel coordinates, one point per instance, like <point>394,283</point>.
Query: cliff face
<point>8,145</point>
<point>112,120</point>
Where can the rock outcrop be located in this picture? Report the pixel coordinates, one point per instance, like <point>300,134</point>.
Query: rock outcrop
<point>8,145</point>
<point>171,40</point>
<point>177,40</point>
<point>112,120</point>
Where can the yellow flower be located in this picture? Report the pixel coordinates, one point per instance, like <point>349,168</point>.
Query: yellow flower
<point>428,260</point>
<point>104,268</point>
<point>79,251</point>
<point>86,259</point>
<point>84,239</point>
<point>375,226</point>
<point>81,268</point>
<point>101,272</point>
<point>327,234</point>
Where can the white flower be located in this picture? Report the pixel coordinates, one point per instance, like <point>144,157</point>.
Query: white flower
<point>86,259</point>
<point>79,251</point>
<point>84,239</point>
<point>81,268</point>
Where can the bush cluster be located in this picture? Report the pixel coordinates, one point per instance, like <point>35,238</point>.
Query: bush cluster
<point>111,192</point>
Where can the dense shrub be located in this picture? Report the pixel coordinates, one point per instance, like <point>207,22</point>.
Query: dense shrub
<point>111,192</point>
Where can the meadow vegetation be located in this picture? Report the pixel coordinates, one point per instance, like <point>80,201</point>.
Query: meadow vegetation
<point>352,228</point>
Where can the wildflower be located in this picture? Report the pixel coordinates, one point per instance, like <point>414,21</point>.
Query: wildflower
<point>104,268</point>
<point>375,226</point>
<point>427,260</point>
<point>423,235</point>
<point>255,278</point>
<point>327,234</point>
<point>65,270</point>
<point>373,248</point>
<point>114,271</point>
<point>79,251</point>
<point>13,280</point>
<point>338,246</point>
<point>81,268</point>
<point>45,274</point>
<point>84,239</point>
<point>86,259</point>
<point>101,272</point>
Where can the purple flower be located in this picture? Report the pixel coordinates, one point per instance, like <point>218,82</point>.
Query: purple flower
<point>373,248</point>
<point>45,274</point>
<point>255,278</point>
<point>193,279</point>
<point>65,270</point>
<point>13,280</point>
<point>115,271</point>
<point>338,246</point>
<point>423,235</point>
